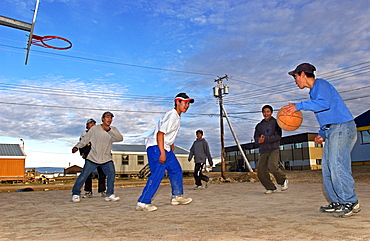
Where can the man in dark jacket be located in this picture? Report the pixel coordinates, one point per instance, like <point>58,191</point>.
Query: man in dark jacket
<point>268,134</point>
<point>200,151</point>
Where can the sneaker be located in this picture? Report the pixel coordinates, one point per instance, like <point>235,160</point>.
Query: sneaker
<point>330,208</point>
<point>347,210</point>
<point>112,198</point>
<point>176,200</point>
<point>209,182</point>
<point>270,191</point>
<point>145,207</point>
<point>285,187</point>
<point>76,198</point>
<point>198,188</point>
<point>103,194</point>
<point>87,195</point>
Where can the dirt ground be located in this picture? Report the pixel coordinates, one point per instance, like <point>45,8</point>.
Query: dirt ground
<point>224,211</point>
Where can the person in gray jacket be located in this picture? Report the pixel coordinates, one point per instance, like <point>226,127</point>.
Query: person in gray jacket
<point>200,151</point>
<point>267,134</point>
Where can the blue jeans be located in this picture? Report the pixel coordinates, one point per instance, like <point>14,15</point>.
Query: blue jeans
<point>157,169</point>
<point>89,167</point>
<point>336,163</point>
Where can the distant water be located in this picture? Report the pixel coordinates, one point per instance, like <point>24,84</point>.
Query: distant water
<point>50,169</point>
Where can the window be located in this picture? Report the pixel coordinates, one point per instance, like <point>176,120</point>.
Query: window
<point>297,145</point>
<point>365,137</point>
<point>319,145</point>
<point>140,160</point>
<point>318,161</point>
<point>125,159</point>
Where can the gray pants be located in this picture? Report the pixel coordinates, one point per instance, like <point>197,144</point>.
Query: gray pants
<point>269,163</point>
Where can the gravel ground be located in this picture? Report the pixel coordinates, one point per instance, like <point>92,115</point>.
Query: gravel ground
<point>224,211</point>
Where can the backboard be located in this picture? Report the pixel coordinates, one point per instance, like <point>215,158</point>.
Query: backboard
<point>32,38</point>
<point>31,30</point>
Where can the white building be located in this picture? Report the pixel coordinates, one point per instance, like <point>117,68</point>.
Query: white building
<point>132,159</point>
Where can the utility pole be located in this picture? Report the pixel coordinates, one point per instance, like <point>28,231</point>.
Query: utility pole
<point>218,91</point>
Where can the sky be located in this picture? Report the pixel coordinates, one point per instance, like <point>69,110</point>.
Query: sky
<point>133,57</point>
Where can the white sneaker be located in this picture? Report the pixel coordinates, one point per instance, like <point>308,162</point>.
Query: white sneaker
<point>145,207</point>
<point>76,198</point>
<point>112,198</point>
<point>198,188</point>
<point>103,194</point>
<point>270,191</point>
<point>285,187</point>
<point>176,200</point>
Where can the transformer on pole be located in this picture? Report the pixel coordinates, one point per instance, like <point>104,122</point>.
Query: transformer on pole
<point>218,91</point>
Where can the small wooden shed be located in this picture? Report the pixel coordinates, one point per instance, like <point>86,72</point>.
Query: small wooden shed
<point>12,163</point>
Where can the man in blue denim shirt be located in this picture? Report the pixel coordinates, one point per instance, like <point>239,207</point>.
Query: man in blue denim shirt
<point>338,129</point>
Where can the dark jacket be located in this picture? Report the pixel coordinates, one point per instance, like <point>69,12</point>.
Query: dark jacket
<point>200,150</point>
<point>272,132</point>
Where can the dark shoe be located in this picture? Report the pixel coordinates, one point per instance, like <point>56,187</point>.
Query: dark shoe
<point>347,210</point>
<point>330,208</point>
<point>87,195</point>
<point>209,182</point>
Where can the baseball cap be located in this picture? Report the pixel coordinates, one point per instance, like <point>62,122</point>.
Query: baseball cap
<point>184,97</point>
<point>90,120</point>
<point>305,67</point>
<point>107,113</point>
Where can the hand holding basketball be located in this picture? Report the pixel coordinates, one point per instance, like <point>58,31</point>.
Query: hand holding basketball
<point>288,119</point>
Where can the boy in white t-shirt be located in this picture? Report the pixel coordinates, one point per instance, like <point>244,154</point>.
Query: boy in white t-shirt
<point>159,147</point>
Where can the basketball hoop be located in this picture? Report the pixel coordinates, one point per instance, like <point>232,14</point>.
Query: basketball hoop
<point>40,41</point>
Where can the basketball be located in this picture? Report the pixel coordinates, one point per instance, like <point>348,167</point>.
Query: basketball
<point>289,122</point>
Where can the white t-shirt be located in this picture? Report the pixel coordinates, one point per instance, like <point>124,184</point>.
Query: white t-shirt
<point>169,125</point>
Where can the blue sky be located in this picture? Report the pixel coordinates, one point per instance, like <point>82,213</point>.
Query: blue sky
<point>133,57</point>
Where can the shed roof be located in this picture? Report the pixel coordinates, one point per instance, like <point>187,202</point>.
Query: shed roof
<point>142,149</point>
<point>11,150</point>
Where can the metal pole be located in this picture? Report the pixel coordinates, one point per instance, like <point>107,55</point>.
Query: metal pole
<point>237,141</point>
<point>223,163</point>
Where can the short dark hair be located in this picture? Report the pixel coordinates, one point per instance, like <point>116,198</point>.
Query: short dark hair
<point>199,131</point>
<point>309,75</point>
<point>269,107</point>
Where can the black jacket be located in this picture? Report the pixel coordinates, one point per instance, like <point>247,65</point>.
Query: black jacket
<point>272,132</point>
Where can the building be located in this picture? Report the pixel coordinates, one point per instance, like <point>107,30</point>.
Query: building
<point>131,159</point>
<point>72,170</point>
<point>297,152</point>
<point>360,154</point>
<point>12,163</point>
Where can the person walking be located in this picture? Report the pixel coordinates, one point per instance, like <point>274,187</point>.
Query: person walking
<point>84,151</point>
<point>161,158</point>
<point>200,151</point>
<point>101,137</point>
<point>267,134</point>
<point>338,130</point>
